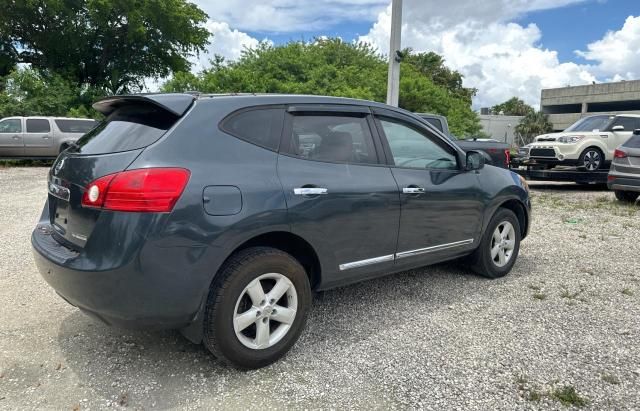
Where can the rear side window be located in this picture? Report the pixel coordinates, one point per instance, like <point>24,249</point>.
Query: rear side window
<point>434,122</point>
<point>633,142</point>
<point>11,125</point>
<point>127,128</point>
<point>38,125</point>
<point>337,139</point>
<point>75,126</point>
<point>260,126</point>
<point>629,123</point>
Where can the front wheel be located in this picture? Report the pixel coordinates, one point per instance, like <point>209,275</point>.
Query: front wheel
<point>626,196</point>
<point>257,307</point>
<point>591,159</point>
<point>499,246</point>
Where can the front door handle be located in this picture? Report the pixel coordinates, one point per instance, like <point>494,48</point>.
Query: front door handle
<point>309,191</point>
<point>16,137</point>
<point>413,190</point>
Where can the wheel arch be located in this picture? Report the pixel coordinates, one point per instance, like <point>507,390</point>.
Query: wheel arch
<point>520,211</point>
<point>285,241</point>
<point>291,244</point>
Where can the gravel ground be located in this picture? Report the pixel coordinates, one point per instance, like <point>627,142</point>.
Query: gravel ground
<point>562,330</point>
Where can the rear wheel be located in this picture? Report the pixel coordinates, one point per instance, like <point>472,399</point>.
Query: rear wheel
<point>499,246</point>
<point>626,196</point>
<point>591,159</point>
<point>257,307</point>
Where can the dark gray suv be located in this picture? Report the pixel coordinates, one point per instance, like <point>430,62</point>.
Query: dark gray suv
<point>220,214</point>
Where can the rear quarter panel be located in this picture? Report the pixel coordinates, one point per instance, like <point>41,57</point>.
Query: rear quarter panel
<point>214,158</point>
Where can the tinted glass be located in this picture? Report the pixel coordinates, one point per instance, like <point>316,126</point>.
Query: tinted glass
<point>127,128</point>
<point>590,123</point>
<point>11,125</point>
<point>38,125</point>
<point>341,139</point>
<point>411,148</point>
<point>75,126</point>
<point>633,142</point>
<point>259,126</point>
<point>629,123</point>
<point>434,122</point>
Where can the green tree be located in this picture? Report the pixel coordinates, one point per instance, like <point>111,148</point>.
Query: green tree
<point>512,107</point>
<point>328,67</point>
<point>28,92</point>
<point>107,44</point>
<point>432,65</point>
<point>533,124</point>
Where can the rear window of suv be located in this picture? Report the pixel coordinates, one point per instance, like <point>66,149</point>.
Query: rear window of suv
<point>127,128</point>
<point>633,142</point>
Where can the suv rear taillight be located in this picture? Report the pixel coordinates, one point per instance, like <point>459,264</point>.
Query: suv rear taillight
<point>142,190</point>
<point>507,157</point>
<point>619,154</point>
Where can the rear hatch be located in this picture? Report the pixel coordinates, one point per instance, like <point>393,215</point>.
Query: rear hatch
<point>131,124</point>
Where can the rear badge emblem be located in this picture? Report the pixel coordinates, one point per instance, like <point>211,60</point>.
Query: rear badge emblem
<point>58,167</point>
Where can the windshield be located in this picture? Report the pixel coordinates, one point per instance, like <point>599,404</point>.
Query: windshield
<point>591,123</point>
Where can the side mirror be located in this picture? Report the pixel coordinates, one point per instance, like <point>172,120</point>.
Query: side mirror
<point>617,128</point>
<point>475,161</point>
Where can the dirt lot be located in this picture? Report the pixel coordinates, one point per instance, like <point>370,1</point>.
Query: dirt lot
<point>562,330</point>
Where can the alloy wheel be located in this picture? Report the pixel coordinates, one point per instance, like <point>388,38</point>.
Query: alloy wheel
<point>592,160</point>
<point>265,311</point>
<point>503,243</point>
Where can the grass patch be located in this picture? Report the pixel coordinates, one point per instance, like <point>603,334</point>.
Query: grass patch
<point>611,379</point>
<point>539,295</point>
<point>567,395</point>
<point>627,291</point>
<point>534,287</point>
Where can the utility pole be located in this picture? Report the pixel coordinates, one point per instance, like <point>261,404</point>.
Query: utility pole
<point>393,78</point>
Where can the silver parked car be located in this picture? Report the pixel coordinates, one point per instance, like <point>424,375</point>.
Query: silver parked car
<point>624,175</point>
<point>40,136</point>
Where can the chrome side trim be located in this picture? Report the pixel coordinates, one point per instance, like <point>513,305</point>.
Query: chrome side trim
<point>369,261</point>
<point>433,249</point>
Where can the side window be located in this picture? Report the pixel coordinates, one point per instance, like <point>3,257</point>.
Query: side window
<point>260,126</point>
<point>629,123</point>
<point>434,122</point>
<point>11,125</point>
<point>332,138</point>
<point>415,149</point>
<point>75,126</point>
<point>38,125</point>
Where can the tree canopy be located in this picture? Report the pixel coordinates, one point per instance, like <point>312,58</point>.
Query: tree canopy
<point>533,124</point>
<point>512,107</point>
<point>109,44</point>
<point>333,67</point>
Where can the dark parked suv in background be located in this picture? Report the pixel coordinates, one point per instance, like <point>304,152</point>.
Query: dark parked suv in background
<point>219,215</point>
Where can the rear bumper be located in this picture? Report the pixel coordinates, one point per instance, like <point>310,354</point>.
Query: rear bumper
<point>153,290</point>
<point>623,183</point>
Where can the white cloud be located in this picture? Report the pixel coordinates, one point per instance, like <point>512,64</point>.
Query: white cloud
<point>226,42</point>
<point>286,16</point>
<point>618,52</point>
<point>500,58</point>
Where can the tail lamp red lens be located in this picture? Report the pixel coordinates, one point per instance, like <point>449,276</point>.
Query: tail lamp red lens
<point>619,154</point>
<point>507,157</point>
<point>142,190</point>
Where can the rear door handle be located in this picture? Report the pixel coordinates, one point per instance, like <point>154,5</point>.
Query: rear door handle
<point>306,191</point>
<point>16,137</point>
<point>413,190</point>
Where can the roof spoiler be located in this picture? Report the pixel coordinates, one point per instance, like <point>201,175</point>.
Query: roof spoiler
<point>174,103</point>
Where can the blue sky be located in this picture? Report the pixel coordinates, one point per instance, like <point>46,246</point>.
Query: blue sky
<point>504,48</point>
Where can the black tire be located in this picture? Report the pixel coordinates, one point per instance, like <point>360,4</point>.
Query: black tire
<point>591,159</point>
<point>481,260</point>
<point>226,293</point>
<point>626,196</point>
